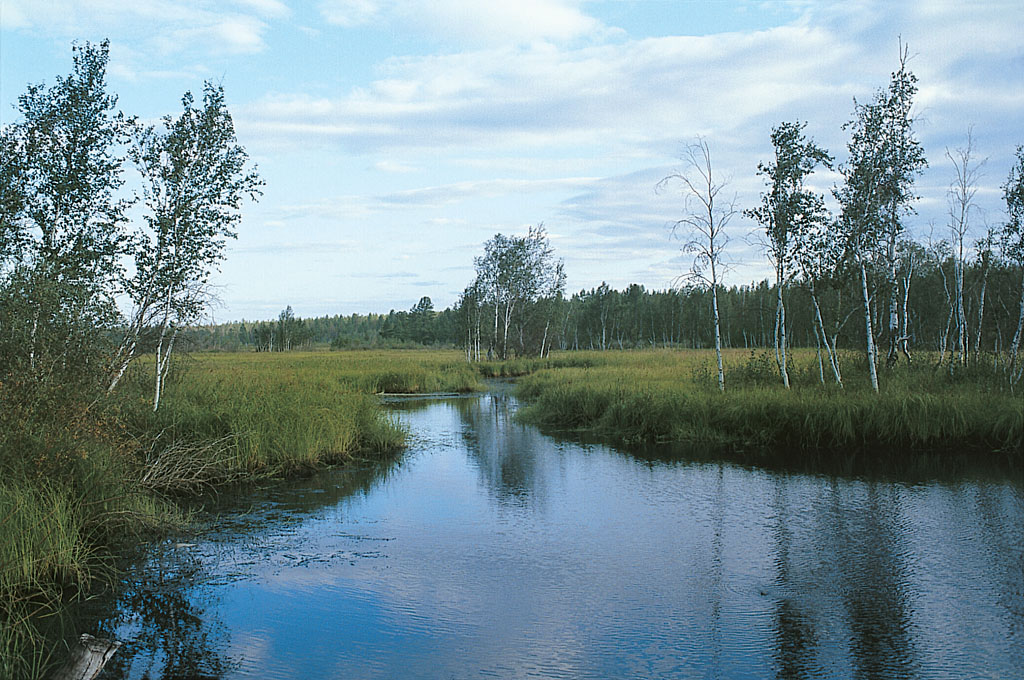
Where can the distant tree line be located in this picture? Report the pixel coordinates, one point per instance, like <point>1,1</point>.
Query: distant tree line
<point>604,318</point>
<point>419,327</point>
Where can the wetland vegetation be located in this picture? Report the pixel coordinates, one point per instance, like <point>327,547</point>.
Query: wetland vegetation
<point>105,427</point>
<point>84,479</point>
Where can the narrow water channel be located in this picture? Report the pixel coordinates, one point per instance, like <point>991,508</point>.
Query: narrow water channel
<point>491,550</point>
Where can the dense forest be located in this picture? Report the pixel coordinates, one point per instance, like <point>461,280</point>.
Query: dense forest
<point>606,318</point>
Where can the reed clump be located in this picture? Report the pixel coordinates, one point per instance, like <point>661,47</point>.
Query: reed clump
<point>666,396</point>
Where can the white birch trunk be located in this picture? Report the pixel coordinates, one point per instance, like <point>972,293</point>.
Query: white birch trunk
<point>981,308</point>
<point>833,358</point>
<point>718,334</point>
<point>904,341</point>
<point>1015,343</point>
<point>894,310</point>
<point>872,353</point>
<point>961,320</point>
<point>821,364</point>
<point>780,336</point>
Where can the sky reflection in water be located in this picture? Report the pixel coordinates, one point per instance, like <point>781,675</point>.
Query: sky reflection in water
<point>492,550</point>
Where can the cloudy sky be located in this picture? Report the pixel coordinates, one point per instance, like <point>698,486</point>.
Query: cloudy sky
<point>397,136</point>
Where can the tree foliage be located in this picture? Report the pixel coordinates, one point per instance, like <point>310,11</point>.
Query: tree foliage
<point>65,234</point>
<point>790,215</point>
<point>62,223</point>
<point>194,179</point>
<point>885,158</point>
<point>519,283</point>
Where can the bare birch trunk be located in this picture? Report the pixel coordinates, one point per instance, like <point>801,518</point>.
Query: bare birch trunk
<point>981,307</point>
<point>1015,343</point>
<point>833,358</point>
<point>123,360</point>
<point>944,339</point>
<point>164,367</point>
<point>893,356</point>
<point>504,339</point>
<point>904,342</point>
<point>872,353</point>
<point>961,318</point>
<point>718,334</point>
<point>821,364</point>
<point>780,335</point>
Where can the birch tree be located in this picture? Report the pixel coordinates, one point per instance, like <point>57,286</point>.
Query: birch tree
<point>960,200</point>
<point>515,277</point>
<point>1011,241</point>
<point>195,178</point>
<point>884,159</point>
<point>62,224</point>
<point>786,209</point>
<point>707,213</point>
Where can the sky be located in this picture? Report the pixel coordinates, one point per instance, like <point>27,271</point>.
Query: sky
<point>397,136</point>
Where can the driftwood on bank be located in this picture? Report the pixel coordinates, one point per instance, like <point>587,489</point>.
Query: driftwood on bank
<point>87,658</point>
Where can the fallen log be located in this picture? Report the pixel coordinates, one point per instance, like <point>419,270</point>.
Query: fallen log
<point>87,658</point>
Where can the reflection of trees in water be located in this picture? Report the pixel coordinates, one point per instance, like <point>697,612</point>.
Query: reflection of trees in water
<point>873,586</point>
<point>506,453</point>
<point>166,606</point>
<point>794,635</point>
<point>717,566</point>
<point>998,513</point>
<point>841,584</point>
<point>164,609</point>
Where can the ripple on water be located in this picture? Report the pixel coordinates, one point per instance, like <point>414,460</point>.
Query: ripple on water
<point>494,551</point>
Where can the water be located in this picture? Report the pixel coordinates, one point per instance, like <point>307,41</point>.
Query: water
<point>492,550</point>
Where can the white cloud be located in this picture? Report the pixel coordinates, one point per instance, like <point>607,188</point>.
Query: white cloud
<point>12,16</point>
<point>621,95</point>
<point>470,21</point>
<point>267,8</point>
<point>394,167</point>
<point>168,26</point>
<point>491,188</point>
<point>349,12</point>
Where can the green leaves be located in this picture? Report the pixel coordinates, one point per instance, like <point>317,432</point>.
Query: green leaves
<point>194,182</point>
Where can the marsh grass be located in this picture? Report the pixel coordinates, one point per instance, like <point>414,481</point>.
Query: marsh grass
<point>83,477</point>
<point>671,396</point>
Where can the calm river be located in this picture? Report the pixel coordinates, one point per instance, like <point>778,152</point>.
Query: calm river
<point>492,550</point>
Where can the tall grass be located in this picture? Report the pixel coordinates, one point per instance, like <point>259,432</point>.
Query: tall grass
<point>670,396</point>
<point>82,475</point>
<point>275,413</point>
<point>43,552</point>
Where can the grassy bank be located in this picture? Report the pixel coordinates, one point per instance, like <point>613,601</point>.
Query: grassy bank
<point>83,476</point>
<point>671,396</point>
<point>273,413</point>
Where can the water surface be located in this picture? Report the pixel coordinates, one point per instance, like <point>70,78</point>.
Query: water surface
<point>492,550</point>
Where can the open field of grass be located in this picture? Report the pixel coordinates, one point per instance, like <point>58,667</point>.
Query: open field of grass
<point>672,396</point>
<point>276,412</point>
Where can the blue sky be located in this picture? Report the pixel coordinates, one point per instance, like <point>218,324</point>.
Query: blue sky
<point>397,136</point>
